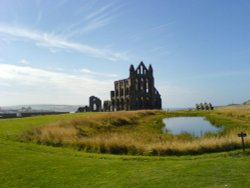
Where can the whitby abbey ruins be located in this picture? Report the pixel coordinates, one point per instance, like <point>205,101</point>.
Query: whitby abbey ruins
<point>134,93</point>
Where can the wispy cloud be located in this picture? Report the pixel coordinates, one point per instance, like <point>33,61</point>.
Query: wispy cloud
<point>161,27</point>
<point>61,3</point>
<point>161,50</point>
<point>98,12</point>
<point>38,2</point>
<point>33,85</point>
<point>87,71</point>
<point>229,73</point>
<point>153,31</point>
<point>94,20</point>
<point>24,62</point>
<point>222,74</point>
<point>39,16</point>
<point>59,43</point>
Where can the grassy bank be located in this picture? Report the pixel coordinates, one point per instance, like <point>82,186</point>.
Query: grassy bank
<point>27,164</point>
<point>139,133</point>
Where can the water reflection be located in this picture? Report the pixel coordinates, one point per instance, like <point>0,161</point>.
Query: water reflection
<point>196,126</point>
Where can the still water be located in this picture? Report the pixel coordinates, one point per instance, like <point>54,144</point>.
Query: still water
<point>196,126</point>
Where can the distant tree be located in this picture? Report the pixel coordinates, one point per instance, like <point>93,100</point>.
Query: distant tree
<point>206,107</point>
<point>197,106</point>
<point>29,109</point>
<point>202,106</point>
<point>210,106</point>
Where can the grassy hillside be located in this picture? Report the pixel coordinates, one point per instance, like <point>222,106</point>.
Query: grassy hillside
<point>26,164</point>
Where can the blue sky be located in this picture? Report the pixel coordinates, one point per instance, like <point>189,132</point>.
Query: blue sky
<point>62,51</point>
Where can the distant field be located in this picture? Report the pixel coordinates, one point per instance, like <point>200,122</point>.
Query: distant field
<point>28,164</point>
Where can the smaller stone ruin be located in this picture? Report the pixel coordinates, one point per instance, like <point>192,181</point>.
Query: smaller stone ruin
<point>83,109</point>
<point>95,105</point>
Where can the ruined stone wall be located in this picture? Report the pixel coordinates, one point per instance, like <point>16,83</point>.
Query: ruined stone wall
<point>95,104</point>
<point>136,92</point>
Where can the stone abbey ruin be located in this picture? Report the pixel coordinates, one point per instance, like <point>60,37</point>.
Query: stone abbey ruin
<point>134,93</point>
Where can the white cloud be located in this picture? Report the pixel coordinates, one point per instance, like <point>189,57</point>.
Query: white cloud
<point>31,85</point>
<point>24,62</point>
<point>4,84</point>
<point>56,42</point>
<point>87,71</point>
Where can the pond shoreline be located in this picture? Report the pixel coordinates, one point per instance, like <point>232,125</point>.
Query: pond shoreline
<point>195,126</point>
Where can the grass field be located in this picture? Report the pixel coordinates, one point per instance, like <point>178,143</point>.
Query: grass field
<point>25,164</point>
<point>139,133</point>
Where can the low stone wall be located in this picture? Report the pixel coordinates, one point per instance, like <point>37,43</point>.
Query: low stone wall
<point>28,114</point>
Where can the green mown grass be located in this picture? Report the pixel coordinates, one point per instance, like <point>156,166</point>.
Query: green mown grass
<point>25,164</point>
<point>31,165</point>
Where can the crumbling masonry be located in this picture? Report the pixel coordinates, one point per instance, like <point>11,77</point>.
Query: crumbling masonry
<point>137,92</point>
<point>134,93</point>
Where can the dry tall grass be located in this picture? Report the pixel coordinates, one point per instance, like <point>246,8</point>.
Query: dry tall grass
<point>135,133</point>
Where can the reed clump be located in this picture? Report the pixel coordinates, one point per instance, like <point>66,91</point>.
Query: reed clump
<point>139,133</point>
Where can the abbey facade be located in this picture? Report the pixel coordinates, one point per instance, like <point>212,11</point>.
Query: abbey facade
<point>134,93</point>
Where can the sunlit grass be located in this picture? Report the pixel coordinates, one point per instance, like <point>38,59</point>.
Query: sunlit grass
<point>139,133</point>
<point>35,165</point>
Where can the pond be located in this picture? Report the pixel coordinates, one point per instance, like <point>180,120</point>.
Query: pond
<point>196,126</point>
